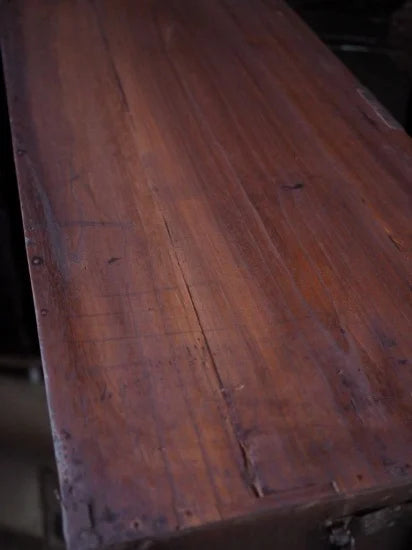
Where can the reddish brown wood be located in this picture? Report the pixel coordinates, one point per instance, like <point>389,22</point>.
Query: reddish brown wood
<point>218,227</point>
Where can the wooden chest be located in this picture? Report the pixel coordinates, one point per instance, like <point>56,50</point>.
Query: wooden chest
<point>218,226</point>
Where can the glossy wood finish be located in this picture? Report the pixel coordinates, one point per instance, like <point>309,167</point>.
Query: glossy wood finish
<point>218,226</point>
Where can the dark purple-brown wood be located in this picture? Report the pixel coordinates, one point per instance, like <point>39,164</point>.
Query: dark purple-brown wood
<point>218,226</point>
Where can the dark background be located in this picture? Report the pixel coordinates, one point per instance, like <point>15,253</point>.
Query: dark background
<point>372,37</point>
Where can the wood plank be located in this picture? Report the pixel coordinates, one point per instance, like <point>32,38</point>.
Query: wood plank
<point>218,225</point>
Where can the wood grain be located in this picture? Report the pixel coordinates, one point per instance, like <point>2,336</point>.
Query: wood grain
<point>218,225</point>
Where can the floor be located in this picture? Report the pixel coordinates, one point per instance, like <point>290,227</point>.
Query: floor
<point>29,507</point>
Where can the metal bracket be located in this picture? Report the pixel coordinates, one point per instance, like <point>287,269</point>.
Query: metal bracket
<point>340,535</point>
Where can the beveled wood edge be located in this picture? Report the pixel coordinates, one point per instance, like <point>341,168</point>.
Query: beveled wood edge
<point>275,524</point>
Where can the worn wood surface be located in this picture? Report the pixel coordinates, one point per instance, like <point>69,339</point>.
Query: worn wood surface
<point>218,225</point>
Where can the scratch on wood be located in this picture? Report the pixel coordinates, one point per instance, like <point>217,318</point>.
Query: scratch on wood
<point>335,487</point>
<point>298,185</point>
<point>251,471</point>
<point>352,401</point>
<point>253,481</point>
<point>394,241</point>
<point>115,72</point>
